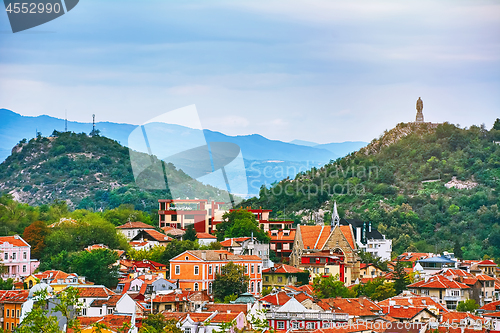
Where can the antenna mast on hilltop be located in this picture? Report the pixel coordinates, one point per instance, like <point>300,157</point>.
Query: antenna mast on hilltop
<point>65,120</point>
<point>93,126</point>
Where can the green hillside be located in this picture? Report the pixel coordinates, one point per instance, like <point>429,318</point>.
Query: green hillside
<point>398,183</point>
<point>87,172</point>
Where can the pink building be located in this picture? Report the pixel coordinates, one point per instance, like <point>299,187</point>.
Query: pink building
<point>15,255</point>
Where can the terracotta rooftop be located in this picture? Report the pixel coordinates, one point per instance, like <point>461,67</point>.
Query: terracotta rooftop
<point>416,301</point>
<point>14,296</point>
<point>487,263</point>
<point>282,268</point>
<point>358,307</point>
<point>493,306</point>
<point>204,235</point>
<point>14,240</point>
<point>439,282</point>
<point>233,241</point>
<point>222,307</point>
<point>135,225</point>
<point>157,236</point>
<point>173,231</point>
<point>94,291</point>
<point>280,235</point>
<point>278,299</point>
<point>215,255</point>
<point>403,312</point>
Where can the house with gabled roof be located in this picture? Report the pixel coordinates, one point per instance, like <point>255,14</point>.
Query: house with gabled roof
<point>408,299</point>
<point>15,256</point>
<point>131,229</point>
<point>444,289</point>
<point>283,275</point>
<point>152,237</point>
<point>248,246</point>
<point>11,303</point>
<point>204,322</point>
<point>357,308</point>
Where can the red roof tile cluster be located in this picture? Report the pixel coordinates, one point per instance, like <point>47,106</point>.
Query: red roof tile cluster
<point>283,268</point>
<point>135,225</point>
<point>94,291</point>
<point>15,240</point>
<point>14,296</point>
<point>486,263</point>
<point>222,307</point>
<point>233,241</point>
<point>157,236</point>
<point>113,321</point>
<point>314,236</point>
<point>173,297</point>
<point>414,256</point>
<point>173,231</point>
<point>405,312</point>
<point>492,306</point>
<point>277,299</point>
<point>145,263</point>
<point>456,317</point>
<point>414,301</point>
<point>281,236</point>
<point>204,235</point>
<point>439,282</point>
<point>358,307</point>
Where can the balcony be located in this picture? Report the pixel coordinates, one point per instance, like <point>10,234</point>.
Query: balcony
<point>452,298</point>
<point>308,316</point>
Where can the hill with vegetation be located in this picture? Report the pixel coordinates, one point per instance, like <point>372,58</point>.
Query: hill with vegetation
<point>430,188</point>
<point>87,172</point>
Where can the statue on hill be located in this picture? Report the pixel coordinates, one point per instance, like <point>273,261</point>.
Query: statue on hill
<point>420,115</point>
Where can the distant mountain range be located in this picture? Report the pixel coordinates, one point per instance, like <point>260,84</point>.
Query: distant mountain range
<point>280,159</point>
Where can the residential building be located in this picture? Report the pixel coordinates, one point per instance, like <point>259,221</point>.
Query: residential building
<point>357,309</point>
<point>370,271</point>
<point>57,280</point>
<point>283,275</point>
<point>407,300</point>
<point>179,301</point>
<point>487,267</point>
<point>15,255</point>
<point>203,322</point>
<point>432,265</point>
<point>131,229</point>
<point>152,237</point>
<point>205,238</point>
<point>196,270</point>
<point>178,213</point>
<point>294,316</point>
<point>282,243</point>
<point>248,246</point>
<point>11,303</point>
<point>98,301</point>
<point>446,290</point>
<point>325,263</point>
<point>173,232</point>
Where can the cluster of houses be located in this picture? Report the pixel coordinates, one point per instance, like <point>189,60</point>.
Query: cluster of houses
<point>278,295</point>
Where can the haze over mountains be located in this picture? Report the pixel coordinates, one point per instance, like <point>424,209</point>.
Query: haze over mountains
<point>279,159</point>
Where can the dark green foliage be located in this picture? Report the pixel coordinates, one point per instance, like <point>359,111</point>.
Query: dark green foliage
<point>401,279</point>
<point>156,323</point>
<point>384,184</point>
<point>91,172</point>
<point>467,306</point>
<point>240,223</point>
<point>97,266</point>
<point>330,287</point>
<point>175,247</point>
<point>190,233</point>
<point>6,284</point>
<point>230,281</point>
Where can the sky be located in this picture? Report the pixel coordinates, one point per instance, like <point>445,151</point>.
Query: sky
<point>316,70</point>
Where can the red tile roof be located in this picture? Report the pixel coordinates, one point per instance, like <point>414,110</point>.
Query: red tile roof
<point>222,307</point>
<point>233,241</point>
<point>283,268</point>
<point>404,312</point>
<point>347,231</point>
<point>487,263</point>
<point>14,296</point>
<point>416,301</point>
<point>278,299</point>
<point>135,225</point>
<point>484,277</point>
<point>204,235</point>
<point>173,297</point>
<point>491,306</point>
<point>413,256</point>
<point>358,307</point>
<point>173,231</point>
<point>14,240</point>
<point>281,235</point>
<point>94,291</point>
<point>439,282</point>
<point>456,317</point>
<point>158,236</point>
<point>314,236</point>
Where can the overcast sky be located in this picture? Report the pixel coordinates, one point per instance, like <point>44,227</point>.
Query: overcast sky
<point>323,71</point>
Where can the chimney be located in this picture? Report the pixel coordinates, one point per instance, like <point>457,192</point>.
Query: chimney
<point>204,255</point>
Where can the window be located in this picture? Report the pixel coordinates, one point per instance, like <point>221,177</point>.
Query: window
<point>310,326</point>
<point>425,292</point>
<point>177,269</point>
<point>266,278</point>
<point>210,288</point>
<point>189,217</point>
<point>455,293</point>
<point>84,311</point>
<point>6,256</point>
<point>209,269</point>
<point>14,255</point>
<point>24,255</point>
<point>187,258</point>
<point>295,325</point>
<point>326,324</point>
<point>258,269</point>
<point>252,287</point>
<point>327,270</point>
<point>187,330</point>
<point>280,279</point>
<point>173,218</point>
<point>246,268</point>
<point>281,325</point>
<point>24,268</point>
<point>196,286</point>
<point>110,311</point>
<point>18,314</point>
<point>196,270</point>
<point>252,269</point>
<point>216,269</point>
<point>7,326</point>
<point>8,313</point>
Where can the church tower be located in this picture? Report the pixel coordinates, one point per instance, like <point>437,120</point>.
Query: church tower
<point>335,216</point>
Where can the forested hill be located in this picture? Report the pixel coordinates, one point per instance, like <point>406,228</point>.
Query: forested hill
<point>398,183</point>
<point>90,172</point>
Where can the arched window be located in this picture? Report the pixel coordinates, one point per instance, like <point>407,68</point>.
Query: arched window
<point>196,287</point>
<point>252,287</point>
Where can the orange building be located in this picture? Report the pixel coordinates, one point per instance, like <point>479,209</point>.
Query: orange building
<point>12,301</point>
<point>195,270</point>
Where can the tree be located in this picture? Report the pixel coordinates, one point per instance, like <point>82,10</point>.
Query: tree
<point>156,323</point>
<point>326,287</point>
<point>368,258</point>
<point>496,125</point>
<point>230,281</point>
<point>35,235</point>
<point>175,247</point>
<point>401,279</point>
<point>469,305</point>
<point>6,284</point>
<point>42,318</point>
<point>384,291</point>
<point>240,223</point>
<point>98,266</point>
<point>190,233</point>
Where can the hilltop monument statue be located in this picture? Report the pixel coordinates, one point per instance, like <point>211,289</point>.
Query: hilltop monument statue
<point>420,115</point>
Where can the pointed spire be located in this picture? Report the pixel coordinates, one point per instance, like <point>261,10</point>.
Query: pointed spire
<point>335,215</point>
